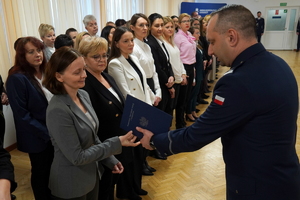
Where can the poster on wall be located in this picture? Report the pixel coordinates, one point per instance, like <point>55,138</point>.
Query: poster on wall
<point>202,8</point>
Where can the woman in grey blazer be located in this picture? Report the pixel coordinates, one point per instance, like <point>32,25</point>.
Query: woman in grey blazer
<point>73,125</point>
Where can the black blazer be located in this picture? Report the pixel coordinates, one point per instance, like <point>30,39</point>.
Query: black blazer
<point>108,109</point>
<point>260,26</point>
<point>7,168</point>
<point>162,65</point>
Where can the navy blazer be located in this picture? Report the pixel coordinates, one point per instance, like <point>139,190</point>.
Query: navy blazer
<point>109,111</point>
<point>29,105</point>
<point>257,124</point>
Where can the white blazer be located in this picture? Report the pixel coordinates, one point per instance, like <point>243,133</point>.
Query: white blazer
<point>129,81</point>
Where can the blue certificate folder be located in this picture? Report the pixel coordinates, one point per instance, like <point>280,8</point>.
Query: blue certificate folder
<point>138,113</point>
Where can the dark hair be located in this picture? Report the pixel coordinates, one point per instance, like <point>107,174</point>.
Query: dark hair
<point>16,42</point>
<point>193,13</point>
<point>193,20</point>
<point>174,16</point>
<point>120,22</point>
<point>136,16</point>
<point>58,62</point>
<point>237,17</point>
<point>192,29</point>
<point>63,40</point>
<point>115,51</point>
<point>21,64</point>
<point>258,12</point>
<point>69,30</point>
<point>105,32</point>
<point>153,17</point>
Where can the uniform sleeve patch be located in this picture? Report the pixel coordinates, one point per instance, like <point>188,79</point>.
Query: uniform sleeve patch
<point>219,100</point>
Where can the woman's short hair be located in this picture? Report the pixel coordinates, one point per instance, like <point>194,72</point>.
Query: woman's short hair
<point>115,51</point>
<point>44,29</point>
<point>181,16</point>
<point>92,45</point>
<point>79,37</point>
<point>86,20</point>
<point>106,31</point>
<point>58,63</point>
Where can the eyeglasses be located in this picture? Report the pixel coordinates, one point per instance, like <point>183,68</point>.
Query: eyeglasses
<point>196,24</point>
<point>186,21</point>
<point>143,25</point>
<point>98,57</point>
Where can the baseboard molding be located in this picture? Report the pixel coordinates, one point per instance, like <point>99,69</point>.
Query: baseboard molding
<point>11,147</point>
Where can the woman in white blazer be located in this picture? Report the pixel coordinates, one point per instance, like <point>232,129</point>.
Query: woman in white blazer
<point>131,80</point>
<point>79,155</point>
<point>126,69</point>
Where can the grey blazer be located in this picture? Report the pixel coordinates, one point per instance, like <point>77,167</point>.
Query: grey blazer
<point>77,147</point>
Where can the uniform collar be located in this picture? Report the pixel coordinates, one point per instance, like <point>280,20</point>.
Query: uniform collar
<point>247,54</point>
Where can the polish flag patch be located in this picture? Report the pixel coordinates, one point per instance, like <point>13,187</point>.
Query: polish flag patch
<point>219,100</point>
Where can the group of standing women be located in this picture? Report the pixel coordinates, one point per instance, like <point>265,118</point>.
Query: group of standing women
<point>67,111</point>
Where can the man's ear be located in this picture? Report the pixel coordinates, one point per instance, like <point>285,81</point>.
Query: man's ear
<point>58,76</point>
<point>233,37</point>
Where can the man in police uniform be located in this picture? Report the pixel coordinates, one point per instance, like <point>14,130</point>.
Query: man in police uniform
<point>257,126</point>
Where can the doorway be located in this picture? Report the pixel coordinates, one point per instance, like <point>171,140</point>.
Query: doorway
<point>280,28</point>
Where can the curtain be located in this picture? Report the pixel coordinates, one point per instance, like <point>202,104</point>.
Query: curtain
<point>20,18</point>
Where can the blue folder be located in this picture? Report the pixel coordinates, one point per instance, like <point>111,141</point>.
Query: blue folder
<point>138,113</point>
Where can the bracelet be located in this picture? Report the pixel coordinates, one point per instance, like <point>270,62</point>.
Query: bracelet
<point>170,88</point>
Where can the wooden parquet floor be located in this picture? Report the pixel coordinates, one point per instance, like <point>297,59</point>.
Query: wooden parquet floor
<point>188,176</point>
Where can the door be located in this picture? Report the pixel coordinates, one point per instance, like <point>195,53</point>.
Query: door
<point>280,28</point>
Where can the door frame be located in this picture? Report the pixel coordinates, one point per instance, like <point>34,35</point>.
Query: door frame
<point>287,39</point>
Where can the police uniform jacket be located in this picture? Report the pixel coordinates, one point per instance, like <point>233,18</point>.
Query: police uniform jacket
<point>255,115</point>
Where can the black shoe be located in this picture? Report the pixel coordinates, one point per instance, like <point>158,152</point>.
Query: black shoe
<point>151,169</point>
<point>189,119</point>
<point>202,101</point>
<point>297,50</point>
<point>157,155</point>
<point>142,192</point>
<point>146,171</point>
<point>204,96</point>
<point>195,117</point>
<point>13,196</point>
<point>131,197</point>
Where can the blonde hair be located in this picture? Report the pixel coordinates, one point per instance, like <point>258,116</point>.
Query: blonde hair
<point>92,45</point>
<point>206,18</point>
<point>79,37</point>
<point>171,39</point>
<point>44,29</point>
<point>182,16</point>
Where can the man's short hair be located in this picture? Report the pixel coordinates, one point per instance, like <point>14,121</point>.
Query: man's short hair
<point>63,40</point>
<point>237,17</point>
<point>69,30</point>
